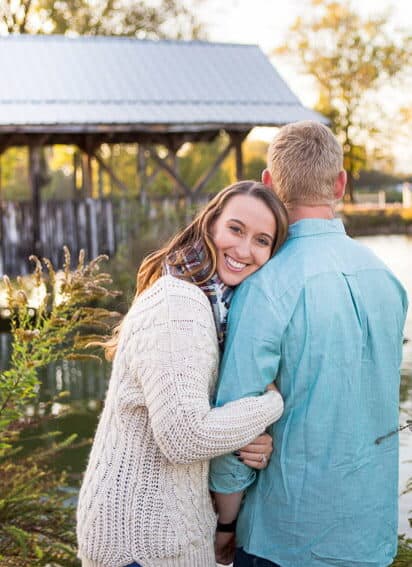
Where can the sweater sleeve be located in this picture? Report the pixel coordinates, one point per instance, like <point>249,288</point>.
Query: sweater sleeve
<point>176,372</point>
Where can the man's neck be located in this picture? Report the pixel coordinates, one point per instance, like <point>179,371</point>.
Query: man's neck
<point>300,212</point>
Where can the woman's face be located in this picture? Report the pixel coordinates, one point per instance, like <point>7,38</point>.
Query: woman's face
<point>243,236</point>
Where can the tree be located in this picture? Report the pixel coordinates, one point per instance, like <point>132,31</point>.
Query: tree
<point>350,58</point>
<point>141,18</point>
<point>254,154</point>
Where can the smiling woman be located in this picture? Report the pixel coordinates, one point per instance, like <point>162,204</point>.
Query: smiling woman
<point>145,497</point>
<point>243,236</point>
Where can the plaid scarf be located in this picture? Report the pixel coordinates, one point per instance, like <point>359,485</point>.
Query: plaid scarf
<point>217,292</point>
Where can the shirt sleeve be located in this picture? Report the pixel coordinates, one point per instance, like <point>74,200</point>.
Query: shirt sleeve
<point>175,366</point>
<point>250,362</point>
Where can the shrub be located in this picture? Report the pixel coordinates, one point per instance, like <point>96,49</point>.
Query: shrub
<point>36,516</point>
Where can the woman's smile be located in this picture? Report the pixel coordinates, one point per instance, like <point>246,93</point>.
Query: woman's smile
<point>243,236</point>
<point>234,264</point>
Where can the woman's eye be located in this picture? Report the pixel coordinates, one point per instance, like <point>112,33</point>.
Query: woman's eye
<point>263,241</point>
<point>234,229</point>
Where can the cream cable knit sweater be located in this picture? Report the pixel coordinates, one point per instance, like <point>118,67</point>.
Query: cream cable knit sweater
<point>145,494</point>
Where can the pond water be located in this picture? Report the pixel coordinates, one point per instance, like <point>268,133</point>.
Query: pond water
<point>86,382</point>
<point>396,252</point>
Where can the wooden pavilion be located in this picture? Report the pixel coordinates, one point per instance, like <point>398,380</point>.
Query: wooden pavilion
<point>88,91</point>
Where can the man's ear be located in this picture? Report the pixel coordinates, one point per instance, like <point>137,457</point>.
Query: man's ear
<point>340,185</point>
<point>267,178</point>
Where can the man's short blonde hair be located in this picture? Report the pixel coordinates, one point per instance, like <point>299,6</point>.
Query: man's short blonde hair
<point>304,160</point>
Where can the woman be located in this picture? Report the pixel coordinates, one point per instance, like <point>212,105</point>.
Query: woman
<point>145,499</point>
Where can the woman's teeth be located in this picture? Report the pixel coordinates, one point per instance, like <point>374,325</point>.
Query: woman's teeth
<point>234,264</point>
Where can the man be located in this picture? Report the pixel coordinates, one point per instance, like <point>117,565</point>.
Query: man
<point>324,318</point>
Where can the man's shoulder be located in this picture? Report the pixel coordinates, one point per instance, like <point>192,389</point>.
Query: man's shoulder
<point>332,252</point>
<point>301,260</point>
<point>279,280</point>
<point>285,270</point>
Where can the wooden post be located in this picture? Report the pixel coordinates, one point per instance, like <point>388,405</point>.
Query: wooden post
<point>35,184</point>
<point>75,173</point>
<point>237,144</point>
<point>141,174</point>
<point>111,161</point>
<point>100,180</point>
<point>88,147</point>
<point>87,174</point>
<point>174,144</point>
<point>174,163</point>
<point>1,219</point>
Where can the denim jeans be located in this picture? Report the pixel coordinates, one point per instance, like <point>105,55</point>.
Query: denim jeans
<point>243,559</point>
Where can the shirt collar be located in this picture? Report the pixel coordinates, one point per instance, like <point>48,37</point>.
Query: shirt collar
<point>311,227</point>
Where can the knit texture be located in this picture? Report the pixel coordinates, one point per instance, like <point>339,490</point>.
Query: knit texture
<point>186,264</point>
<point>145,494</point>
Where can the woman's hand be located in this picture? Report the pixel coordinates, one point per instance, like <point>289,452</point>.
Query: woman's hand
<point>257,453</point>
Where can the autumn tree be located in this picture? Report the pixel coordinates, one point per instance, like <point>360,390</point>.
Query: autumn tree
<point>404,121</point>
<point>350,58</point>
<point>139,18</point>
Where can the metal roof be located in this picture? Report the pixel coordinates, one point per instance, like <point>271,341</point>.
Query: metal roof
<point>58,81</point>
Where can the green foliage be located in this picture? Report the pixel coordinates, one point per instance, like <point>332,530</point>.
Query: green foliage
<point>54,330</point>
<point>14,174</point>
<point>375,180</point>
<point>404,556</point>
<point>254,155</point>
<point>36,519</point>
<point>349,57</point>
<point>147,229</point>
<point>198,158</point>
<point>192,162</point>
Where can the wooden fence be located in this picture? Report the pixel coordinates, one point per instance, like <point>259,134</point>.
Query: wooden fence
<point>96,225</point>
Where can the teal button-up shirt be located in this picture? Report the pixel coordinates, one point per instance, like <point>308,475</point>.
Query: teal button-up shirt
<point>324,318</point>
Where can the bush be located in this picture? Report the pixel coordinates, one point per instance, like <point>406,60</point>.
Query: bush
<point>36,516</point>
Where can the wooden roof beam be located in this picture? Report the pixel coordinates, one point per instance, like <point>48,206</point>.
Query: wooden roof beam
<point>205,178</point>
<point>111,173</point>
<point>170,171</point>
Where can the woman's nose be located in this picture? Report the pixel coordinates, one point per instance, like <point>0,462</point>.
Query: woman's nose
<point>244,249</point>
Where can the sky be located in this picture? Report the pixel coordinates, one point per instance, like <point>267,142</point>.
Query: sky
<point>266,22</point>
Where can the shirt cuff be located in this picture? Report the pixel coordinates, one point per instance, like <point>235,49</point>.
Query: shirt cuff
<point>229,475</point>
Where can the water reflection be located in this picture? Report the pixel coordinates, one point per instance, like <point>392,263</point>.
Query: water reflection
<point>85,380</point>
<point>85,383</point>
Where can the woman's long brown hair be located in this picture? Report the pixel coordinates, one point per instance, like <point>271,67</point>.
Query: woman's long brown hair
<point>199,229</point>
